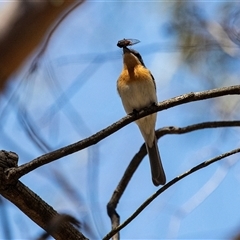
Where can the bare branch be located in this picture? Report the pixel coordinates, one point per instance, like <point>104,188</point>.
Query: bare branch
<point>137,159</point>
<point>199,126</point>
<point>117,194</point>
<point>16,173</point>
<point>165,187</point>
<point>31,204</point>
<point>17,40</point>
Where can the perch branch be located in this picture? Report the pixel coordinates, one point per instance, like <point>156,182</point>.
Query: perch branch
<point>16,173</point>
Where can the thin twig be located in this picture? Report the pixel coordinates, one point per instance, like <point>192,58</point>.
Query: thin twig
<point>16,173</point>
<point>199,126</point>
<point>117,194</point>
<point>165,187</point>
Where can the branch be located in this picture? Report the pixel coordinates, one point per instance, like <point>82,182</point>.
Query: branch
<point>16,173</point>
<point>32,205</point>
<point>199,126</point>
<point>137,159</point>
<point>23,19</point>
<point>165,187</point>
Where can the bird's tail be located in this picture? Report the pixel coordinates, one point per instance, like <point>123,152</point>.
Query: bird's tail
<point>158,175</point>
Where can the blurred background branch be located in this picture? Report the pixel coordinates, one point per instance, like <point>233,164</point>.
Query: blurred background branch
<point>23,26</point>
<point>16,173</point>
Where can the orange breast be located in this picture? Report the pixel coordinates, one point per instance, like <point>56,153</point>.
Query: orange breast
<point>138,73</point>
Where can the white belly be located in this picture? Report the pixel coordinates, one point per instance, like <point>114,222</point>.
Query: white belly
<point>137,95</point>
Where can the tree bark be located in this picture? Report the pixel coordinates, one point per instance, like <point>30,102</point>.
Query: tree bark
<point>31,204</point>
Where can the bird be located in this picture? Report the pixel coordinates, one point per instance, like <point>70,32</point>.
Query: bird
<point>137,89</point>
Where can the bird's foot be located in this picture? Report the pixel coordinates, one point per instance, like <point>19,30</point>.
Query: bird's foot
<point>154,104</point>
<point>134,112</point>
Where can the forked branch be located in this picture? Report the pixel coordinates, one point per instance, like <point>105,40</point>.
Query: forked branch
<point>165,187</point>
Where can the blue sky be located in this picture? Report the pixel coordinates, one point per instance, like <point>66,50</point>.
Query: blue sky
<point>72,95</point>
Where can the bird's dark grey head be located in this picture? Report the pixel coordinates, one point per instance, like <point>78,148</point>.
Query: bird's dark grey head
<point>135,53</point>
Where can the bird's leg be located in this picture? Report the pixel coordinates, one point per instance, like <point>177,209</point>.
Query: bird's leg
<point>154,104</point>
